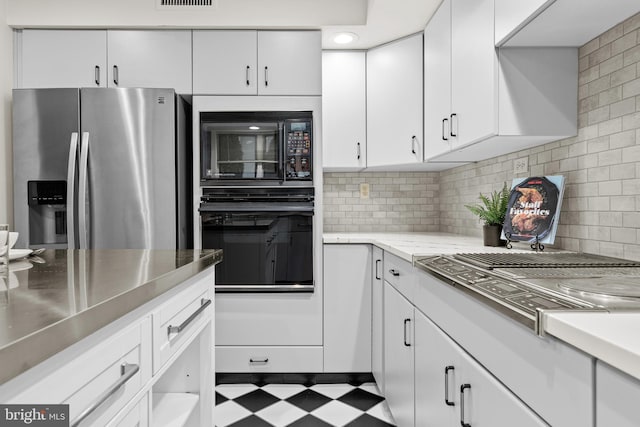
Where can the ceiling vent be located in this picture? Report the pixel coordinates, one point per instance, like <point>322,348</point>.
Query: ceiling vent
<point>173,4</point>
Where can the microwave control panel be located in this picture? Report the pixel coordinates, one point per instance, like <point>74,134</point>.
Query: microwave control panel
<point>298,150</point>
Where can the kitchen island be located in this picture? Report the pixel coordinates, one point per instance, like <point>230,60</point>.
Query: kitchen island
<point>75,322</point>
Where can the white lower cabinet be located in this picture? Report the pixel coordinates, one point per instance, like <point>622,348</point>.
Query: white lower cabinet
<point>399,356</point>
<point>617,397</point>
<point>138,416</point>
<point>347,308</point>
<point>377,316</point>
<point>452,389</point>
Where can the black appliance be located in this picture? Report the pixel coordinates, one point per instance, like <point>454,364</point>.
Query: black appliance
<point>262,147</point>
<point>266,235</point>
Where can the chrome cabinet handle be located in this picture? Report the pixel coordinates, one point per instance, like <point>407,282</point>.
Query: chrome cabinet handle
<point>446,385</point>
<point>96,75</point>
<point>71,179</point>
<point>463,387</point>
<point>358,151</point>
<point>394,272</point>
<point>177,329</point>
<point>266,76</point>
<point>444,138</point>
<point>82,191</point>
<point>407,344</point>
<point>126,372</point>
<point>453,135</point>
<point>259,360</point>
<point>116,74</point>
<point>413,144</point>
<point>247,75</point>
<point>378,261</point>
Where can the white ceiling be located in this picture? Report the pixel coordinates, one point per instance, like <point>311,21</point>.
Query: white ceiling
<point>386,20</point>
<point>374,21</point>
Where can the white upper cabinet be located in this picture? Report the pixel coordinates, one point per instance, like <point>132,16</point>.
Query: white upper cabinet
<point>257,62</point>
<point>473,71</point>
<point>150,59</point>
<point>61,58</point>
<point>78,58</point>
<point>501,100</point>
<point>225,62</point>
<point>558,22</point>
<point>394,103</point>
<point>437,82</point>
<point>289,63</point>
<point>344,111</point>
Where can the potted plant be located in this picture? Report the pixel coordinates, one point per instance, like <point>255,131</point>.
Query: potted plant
<point>492,211</point>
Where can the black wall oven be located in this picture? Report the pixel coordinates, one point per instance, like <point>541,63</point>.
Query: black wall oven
<point>256,148</point>
<point>266,235</point>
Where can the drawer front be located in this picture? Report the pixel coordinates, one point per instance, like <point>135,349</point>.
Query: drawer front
<point>400,274</point>
<point>138,416</point>
<point>269,359</point>
<point>82,381</point>
<point>177,320</point>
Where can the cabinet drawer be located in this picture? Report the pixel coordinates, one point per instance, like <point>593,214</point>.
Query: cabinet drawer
<point>269,359</point>
<point>400,274</point>
<point>138,416</point>
<point>81,381</point>
<point>175,322</point>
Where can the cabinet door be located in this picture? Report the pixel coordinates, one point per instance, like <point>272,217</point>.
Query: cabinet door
<point>344,110</point>
<point>474,65</point>
<point>394,103</point>
<point>225,62</point>
<point>617,397</point>
<point>63,58</point>
<point>377,317</point>
<point>437,375</point>
<point>289,63</point>
<point>437,82</point>
<point>159,59</point>
<point>347,308</point>
<point>398,356</point>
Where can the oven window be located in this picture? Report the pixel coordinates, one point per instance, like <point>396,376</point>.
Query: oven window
<point>240,150</point>
<point>261,248</point>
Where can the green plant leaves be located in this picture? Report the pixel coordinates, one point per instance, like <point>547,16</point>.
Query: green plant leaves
<point>493,209</point>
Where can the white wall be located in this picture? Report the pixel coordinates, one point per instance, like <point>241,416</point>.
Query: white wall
<point>6,83</point>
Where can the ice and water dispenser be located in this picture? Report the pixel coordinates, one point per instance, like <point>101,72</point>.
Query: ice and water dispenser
<point>47,212</point>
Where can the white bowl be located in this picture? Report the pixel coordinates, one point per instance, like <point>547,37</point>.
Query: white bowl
<point>13,237</point>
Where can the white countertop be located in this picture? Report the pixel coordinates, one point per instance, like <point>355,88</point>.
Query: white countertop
<point>613,338</point>
<point>406,245</point>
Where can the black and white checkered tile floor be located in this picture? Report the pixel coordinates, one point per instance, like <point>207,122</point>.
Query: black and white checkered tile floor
<point>295,405</point>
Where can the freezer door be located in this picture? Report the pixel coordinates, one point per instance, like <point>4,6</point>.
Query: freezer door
<point>43,123</point>
<point>131,180</point>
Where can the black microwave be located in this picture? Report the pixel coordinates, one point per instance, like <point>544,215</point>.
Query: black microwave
<point>262,147</point>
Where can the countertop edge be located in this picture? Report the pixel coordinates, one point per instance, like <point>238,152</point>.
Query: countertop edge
<point>70,331</point>
<point>571,329</point>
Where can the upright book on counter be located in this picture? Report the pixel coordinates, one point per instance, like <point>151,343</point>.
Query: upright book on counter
<point>534,209</point>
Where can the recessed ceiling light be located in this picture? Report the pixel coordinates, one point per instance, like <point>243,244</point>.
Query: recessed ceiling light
<point>254,127</point>
<point>345,38</point>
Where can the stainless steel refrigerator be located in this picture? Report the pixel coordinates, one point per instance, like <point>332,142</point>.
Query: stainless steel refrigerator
<point>102,168</point>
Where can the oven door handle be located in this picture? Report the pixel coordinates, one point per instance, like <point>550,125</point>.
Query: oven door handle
<point>238,289</point>
<point>255,208</point>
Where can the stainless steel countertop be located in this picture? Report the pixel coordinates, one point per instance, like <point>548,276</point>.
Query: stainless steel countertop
<point>51,305</point>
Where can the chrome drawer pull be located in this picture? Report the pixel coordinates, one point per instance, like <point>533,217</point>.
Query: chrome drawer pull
<point>126,371</point>
<point>177,329</point>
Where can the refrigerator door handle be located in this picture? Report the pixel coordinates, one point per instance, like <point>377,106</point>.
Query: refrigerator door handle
<point>71,186</point>
<point>82,190</point>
